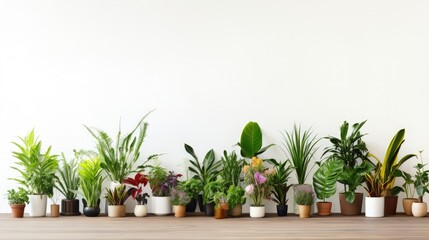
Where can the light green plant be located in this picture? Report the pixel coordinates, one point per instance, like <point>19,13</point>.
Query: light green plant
<point>91,179</point>
<point>68,180</point>
<point>37,168</point>
<point>235,195</point>
<point>325,178</point>
<point>17,197</point>
<point>211,188</point>
<point>192,187</point>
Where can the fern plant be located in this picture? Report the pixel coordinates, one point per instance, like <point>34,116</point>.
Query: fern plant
<point>68,180</point>
<point>118,159</point>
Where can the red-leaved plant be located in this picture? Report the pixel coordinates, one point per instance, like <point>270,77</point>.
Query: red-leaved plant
<point>136,185</point>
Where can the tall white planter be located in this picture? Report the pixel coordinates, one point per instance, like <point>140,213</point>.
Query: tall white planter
<point>257,211</point>
<point>37,206</point>
<point>419,209</point>
<point>374,206</point>
<point>161,205</point>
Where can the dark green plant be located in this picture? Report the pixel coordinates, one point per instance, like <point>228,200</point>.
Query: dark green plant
<point>280,181</point>
<point>326,176</point>
<point>235,195</point>
<point>304,198</point>
<point>421,182</point>
<point>17,197</point>
<point>352,150</point>
<point>118,159</point>
<point>299,147</point>
<point>37,168</point>
<point>192,187</point>
<point>117,196</point>
<point>231,171</point>
<point>91,179</point>
<point>251,141</point>
<point>407,186</point>
<point>68,180</point>
<point>207,170</point>
<point>211,188</point>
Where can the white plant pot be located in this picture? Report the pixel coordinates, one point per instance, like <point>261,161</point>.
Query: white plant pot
<point>257,211</point>
<point>37,206</point>
<point>419,209</point>
<point>140,210</point>
<point>160,205</point>
<point>374,206</point>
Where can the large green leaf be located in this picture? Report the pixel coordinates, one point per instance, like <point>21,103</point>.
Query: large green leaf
<point>251,140</point>
<point>326,176</point>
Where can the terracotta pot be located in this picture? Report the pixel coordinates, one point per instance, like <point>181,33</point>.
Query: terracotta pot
<point>179,210</point>
<point>116,211</point>
<point>225,208</point>
<point>17,210</point>
<point>55,210</point>
<point>354,208</point>
<point>324,208</point>
<point>419,209</point>
<point>390,204</point>
<point>236,211</point>
<point>406,204</point>
<point>304,211</point>
<point>70,207</point>
<point>374,206</point>
<point>218,212</point>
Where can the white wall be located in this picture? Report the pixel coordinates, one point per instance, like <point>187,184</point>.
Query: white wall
<point>209,67</point>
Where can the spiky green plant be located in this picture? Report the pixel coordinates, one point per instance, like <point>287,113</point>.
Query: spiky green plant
<point>117,196</point>
<point>280,181</point>
<point>91,177</point>
<point>68,180</point>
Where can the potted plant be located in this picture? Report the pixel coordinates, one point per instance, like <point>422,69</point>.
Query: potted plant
<point>179,200</point>
<point>374,203</point>
<point>235,197</point>
<point>135,190</point>
<point>68,185</point>
<point>192,187</point>
<point>115,200</point>
<point>232,175</point>
<point>161,182</point>
<point>305,200</point>
<point>210,189</point>
<point>91,182</point>
<point>352,150</point>
<point>389,171</point>
<point>205,171</point>
<point>324,180</point>
<point>280,185</point>
<point>37,171</point>
<point>258,185</point>
<point>221,208</point>
<point>299,147</point>
<point>421,184</point>
<point>17,201</point>
<point>408,189</point>
<point>118,159</point>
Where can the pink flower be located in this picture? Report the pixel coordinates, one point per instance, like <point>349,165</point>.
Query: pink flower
<point>249,189</point>
<point>260,178</point>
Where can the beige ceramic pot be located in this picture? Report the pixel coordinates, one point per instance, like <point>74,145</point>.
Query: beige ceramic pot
<point>116,211</point>
<point>419,209</point>
<point>304,211</point>
<point>406,204</point>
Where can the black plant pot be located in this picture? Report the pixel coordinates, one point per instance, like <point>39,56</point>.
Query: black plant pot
<point>91,211</point>
<point>192,205</point>
<point>70,207</point>
<point>209,207</point>
<point>282,210</point>
<point>201,204</point>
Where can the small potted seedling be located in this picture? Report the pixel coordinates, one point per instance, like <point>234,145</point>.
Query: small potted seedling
<point>17,201</point>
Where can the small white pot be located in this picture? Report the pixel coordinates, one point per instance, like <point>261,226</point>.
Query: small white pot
<point>140,210</point>
<point>38,205</point>
<point>161,205</point>
<point>374,206</point>
<point>419,209</point>
<point>257,211</point>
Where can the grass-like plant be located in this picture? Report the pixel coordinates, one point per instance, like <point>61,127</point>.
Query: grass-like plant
<point>304,198</point>
<point>91,177</point>
<point>118,159</point>
<point>117,196</point>
<point>299,147</point>
<point>37,168</point>
<point>68,180</point>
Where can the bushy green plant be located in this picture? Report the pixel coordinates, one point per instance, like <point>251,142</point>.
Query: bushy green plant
<point>91,179</point>
<point>118,159</point>
<point>37,168</point>
<point>17,197</point>
<point>219,198</point>
<point>280,180</point>
<point>192,187</point>
<point>231,171</point>
<point>235,195</point>
<point>116,196</point>
<point>205,171</point>
<point>304,198</point>
<point>325,178</point>
<point>421,182</point>
<point>68,180</point>
<point>211,188</point>
<point>299,147</point>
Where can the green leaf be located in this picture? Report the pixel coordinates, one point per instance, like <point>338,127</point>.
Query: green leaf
<point>251,140</point>
<point>326,176</point>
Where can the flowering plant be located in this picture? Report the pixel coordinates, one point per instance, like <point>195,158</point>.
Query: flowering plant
<point>257,178</point>
<point>136,184</point>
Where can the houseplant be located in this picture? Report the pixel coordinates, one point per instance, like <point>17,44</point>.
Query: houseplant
<point>389,167</point>
<point>115,199</point>
<point>161,182</point>
<point>374,203</point>
<point>135,190</point>
<point>300,146</point>
<point>179,200</point>
<point>258,185</point>
<point>210,189</point>
<point>280,185</point>
<point>305,200</point>
<point>231,168</point>
<point>17,201</point>
<point>68,185</point>
<point>408,189</point>
<point>118,159</point>
<point>91,182</point>
<point>251,141</point>
<point>221,208</point>
<point>192,187</point>
<point>235,197</point>
<point>37,170</point>
<point>352,150</point>
<point>205,171</point>
<point>421,184</point>
<point>324,180</point>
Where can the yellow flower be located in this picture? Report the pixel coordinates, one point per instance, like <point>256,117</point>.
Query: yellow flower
<point>256,162</point>
<point>245,169</point>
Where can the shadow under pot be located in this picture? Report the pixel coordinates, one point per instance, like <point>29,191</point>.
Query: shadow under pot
<point>91,211</point>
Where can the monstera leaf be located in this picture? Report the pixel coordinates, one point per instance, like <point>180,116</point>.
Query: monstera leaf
<point>326,176</point>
